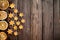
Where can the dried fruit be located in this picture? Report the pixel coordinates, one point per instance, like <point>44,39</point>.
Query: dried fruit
<point>3,25</point>
<point>3,36</point>
<point>4,4</point>
<point>3,15</point>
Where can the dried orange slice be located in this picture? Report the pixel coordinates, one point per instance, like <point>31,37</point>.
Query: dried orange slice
<point>4,4</point>
<point>3,15</point>
<point>3,25</point>
<point>3,36</point>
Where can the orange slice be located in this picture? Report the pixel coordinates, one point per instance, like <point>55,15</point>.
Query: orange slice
<point>3,15</point>
<point>3,25</point>
<point>4,4</point>
<point>3,36</point>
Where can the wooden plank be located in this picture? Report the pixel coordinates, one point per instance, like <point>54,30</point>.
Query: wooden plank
<point>36,20</point>
<point>47,19</point>
<point>56,20</point>
<point>26,11</point>
<point>19,6</point>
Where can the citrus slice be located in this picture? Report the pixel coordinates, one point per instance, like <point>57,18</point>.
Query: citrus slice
<point>3,15</point>
<point>3,36</point>
<point>4,4</point>
<point>3,25</point>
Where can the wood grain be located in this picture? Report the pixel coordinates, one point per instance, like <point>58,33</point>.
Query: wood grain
<point>26,10</point>
<point>20,9</point>
<point>36,20</point>
<point>47,19</point>
<point>56,20</point>
<point>42,20</point>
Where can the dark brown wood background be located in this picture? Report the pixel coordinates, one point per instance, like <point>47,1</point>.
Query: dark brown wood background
<point>42,19</point>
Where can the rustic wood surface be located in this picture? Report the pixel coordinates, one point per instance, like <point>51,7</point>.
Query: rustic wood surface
<point>56,20</point>
<point>47,19</point>
<point>36,19</point>
<point>42,20</point>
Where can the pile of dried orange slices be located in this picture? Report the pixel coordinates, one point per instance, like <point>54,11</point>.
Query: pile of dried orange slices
<point>4,4</point>
<point>15,19</point>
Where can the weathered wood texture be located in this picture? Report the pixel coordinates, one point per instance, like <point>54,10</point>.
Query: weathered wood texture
<point>42,20</point>
<point>56,20</point>
<point>47,19</point>
<point>36,20</point>
<point>26,10</point>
